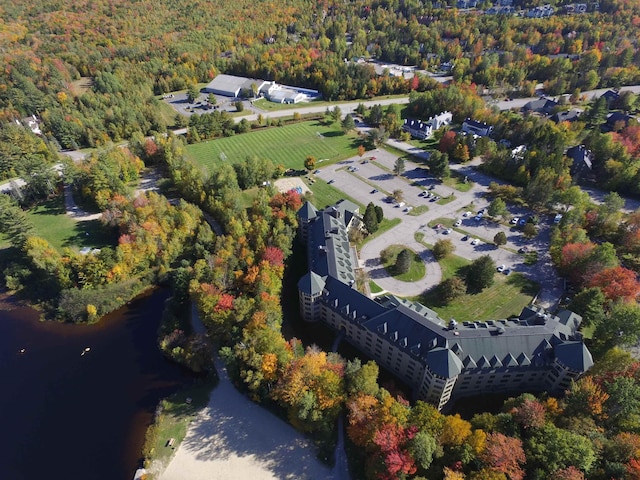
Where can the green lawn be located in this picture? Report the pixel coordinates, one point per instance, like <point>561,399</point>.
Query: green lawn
<point>419,210</point>
<point>457,182</point>
<point>172,422</point>
<point>374,287</point>
<point>54,225</point>
<point>508,296</point>
<point>288,145</point>
<point>384,226</point>
<point>416,270</point>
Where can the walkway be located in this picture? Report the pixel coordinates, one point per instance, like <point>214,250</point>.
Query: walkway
<point>234,438</point>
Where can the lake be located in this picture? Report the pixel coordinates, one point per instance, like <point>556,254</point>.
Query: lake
<point>65,414</point>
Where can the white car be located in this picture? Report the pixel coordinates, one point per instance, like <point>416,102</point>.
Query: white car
<point>515,220</point>
<point>447,231</point>
<point>475,241</point>
<point>458,223</point>
<point>466,214</point>
<point>501,268</point>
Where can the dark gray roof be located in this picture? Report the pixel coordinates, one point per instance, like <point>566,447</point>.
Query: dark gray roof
<point>475,124</point>
<point>610,95</point>
<point>307,211</point>
<point>328,250</point>
<point>615,117</point>
<point>574,355</point>
<point>444,363</point>
<point>311,283</point>
<point>541,105</point>
<point>566,116</point>
<point>581,157</point>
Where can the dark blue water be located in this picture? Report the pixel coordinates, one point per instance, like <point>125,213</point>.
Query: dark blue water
<point>64,415</point>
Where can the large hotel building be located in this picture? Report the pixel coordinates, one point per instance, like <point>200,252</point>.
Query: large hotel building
<point>440,360</point>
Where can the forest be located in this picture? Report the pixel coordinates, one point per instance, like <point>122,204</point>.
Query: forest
<point>93,77</point>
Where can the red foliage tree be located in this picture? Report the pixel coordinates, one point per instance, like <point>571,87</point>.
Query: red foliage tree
<point>504,454</point>
<point>530,414</point>
<point>574,258</point>
<point>569,473</point>
<point>274,256</point>
<point>633,469</point>
<point>447,142</point>
<point>615,283</point>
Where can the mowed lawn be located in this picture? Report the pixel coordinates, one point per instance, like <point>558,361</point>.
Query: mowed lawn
<point>288,145</point>
<point>60,230</point>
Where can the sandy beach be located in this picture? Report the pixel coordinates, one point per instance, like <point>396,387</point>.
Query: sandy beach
<point>234,438</point>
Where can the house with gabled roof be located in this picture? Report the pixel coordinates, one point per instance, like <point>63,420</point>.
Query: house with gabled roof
<point>417,128</point>
<point>610,96</point>
<point>582,165</point>
<point>542,105</point>
<point>474,127</point>
<point>441,361</point>
<point>572,115</point>
<point>616,120</point>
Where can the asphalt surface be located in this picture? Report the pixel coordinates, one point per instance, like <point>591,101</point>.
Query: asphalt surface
<point>376,175</point>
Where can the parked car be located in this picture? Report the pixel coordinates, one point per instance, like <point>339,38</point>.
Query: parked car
<point>514,220</point>
<point>522,222</point>
<point>447,231</point>
<point>458,223</point>
<point>432,187</point>
<point>439,226</point>
<point>557,218</point>
<point>506,271</point>
<point>502,268</point>
<point>375,190</point>
<point>478,217</point>
<point>523,250</point>
<point>317,172</point>
<point>331,181</point>
<point>475,241</point>
<point>465,238</point>
<point>466,214</point>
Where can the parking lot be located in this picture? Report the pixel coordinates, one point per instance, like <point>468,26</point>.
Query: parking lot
<point>370,180</point>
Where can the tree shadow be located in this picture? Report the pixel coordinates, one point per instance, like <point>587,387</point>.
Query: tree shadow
<point>336,133</point>
<point>90,234</point>
<point>382,176</point>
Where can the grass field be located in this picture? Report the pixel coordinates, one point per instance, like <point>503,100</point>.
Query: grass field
<point>325,195</point>
<point>416,269</point>
<point>54,225</point>
<point>173,420</point>
<point>288,146</point>
<point>508,296</point>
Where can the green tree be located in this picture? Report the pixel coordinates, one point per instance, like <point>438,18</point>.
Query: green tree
<point>310,162</point>
<point>442,248</point>
<point>211,98</point>
<point>379,213</point>
<point>239,104</point>
<point>438,164</point>
<point>422,448</point>
<point>398,167</point>
<point>403,261</point>
<point>452,288</point>
<point>497,208</point>
<point>479,275</point>
<point>192,93</point>
<point>336,114</point>
<point>348,124</point>
<point>500,238</point>
<point>529,230</point>
<point>362,379</point>
<point>397,195</point>
<point>370,218</point>
<point>550,449</point>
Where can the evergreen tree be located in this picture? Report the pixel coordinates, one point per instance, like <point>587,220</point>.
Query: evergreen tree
<point>500,239</point>
<point>370,218</point>
<point>398,167</point>
<point>379,213</point>
<point>438,164</point>
<point>403,261</point>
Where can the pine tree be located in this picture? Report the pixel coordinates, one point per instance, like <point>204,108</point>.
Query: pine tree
<point>370,218</point>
